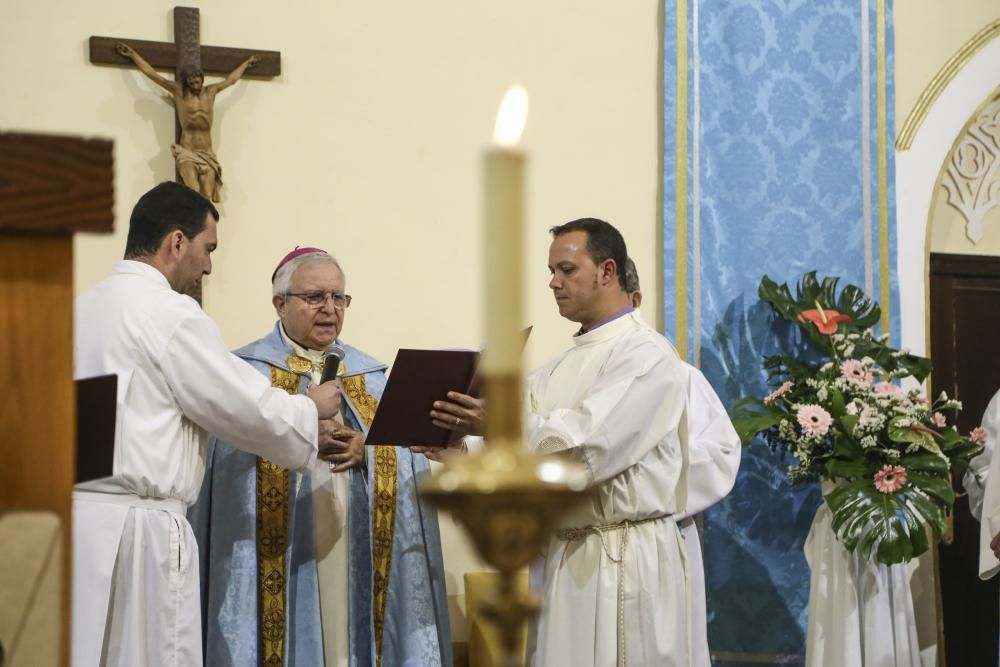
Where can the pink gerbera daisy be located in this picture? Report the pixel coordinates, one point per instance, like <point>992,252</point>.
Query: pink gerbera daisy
<point>778,393</point>
<point>814,420</point>
<point>854,370</point>
<point>890,479</point>
<point>978,436</point>
<point>939,420</point>
<point>887,388</point>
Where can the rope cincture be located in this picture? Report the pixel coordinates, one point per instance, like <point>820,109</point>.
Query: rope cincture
<point>573,534</point>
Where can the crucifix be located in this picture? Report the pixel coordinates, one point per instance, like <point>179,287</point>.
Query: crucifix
<point>197,165</point>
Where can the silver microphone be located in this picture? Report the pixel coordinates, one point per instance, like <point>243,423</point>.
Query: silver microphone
<point>331,363</point>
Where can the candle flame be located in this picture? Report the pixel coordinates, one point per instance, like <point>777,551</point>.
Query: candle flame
<point>511,117</point>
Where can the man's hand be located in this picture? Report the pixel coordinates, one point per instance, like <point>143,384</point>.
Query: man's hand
<point>461,414</point>
<point>995,545</point>
<point>345,447</point>
<point>326,396</point>
<point>440,454</point>
<point>253,61</point>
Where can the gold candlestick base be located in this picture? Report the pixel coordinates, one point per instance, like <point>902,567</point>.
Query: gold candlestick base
<point>508,501</point>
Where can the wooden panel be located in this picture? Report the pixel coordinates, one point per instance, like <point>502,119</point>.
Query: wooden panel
<point>965,265</point>
<point>55,184</point>
<point>965,308</point>
<point>163,55</point>
<point>37,414</point>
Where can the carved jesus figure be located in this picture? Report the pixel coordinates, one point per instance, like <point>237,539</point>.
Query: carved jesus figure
<point>196,161</point>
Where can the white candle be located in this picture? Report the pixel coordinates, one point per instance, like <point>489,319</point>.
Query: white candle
<point>504,184</point>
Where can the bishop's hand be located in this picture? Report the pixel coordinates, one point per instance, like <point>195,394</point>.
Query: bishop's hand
<point>344,449</point>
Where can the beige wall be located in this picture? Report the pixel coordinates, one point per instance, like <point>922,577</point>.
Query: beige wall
<point>928,32</point>
<point>369,145</point>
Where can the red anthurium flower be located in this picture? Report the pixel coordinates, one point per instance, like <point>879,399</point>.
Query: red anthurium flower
<point>826,320</point>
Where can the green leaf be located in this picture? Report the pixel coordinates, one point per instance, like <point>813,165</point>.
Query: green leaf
<point>925,463</point>
<point>864,312</point>
<point>846,447</point>
<point>884,523</point>
<point>751,416</point>
<point>778,297</point>
<point>935,487</point>
<point>929,510</point>
<point>848,422</point>
<point>838,407</point>
<point>899,433</point>
<point>848,468</point>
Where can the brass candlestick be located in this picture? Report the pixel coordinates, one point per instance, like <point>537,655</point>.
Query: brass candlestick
<point>507,500</point>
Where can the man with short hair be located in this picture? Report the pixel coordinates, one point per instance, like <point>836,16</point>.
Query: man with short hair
<point>615,402</point>
<point>340,568</point>
<point>135,560</point>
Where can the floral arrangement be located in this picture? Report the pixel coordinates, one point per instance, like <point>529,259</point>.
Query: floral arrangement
<point>840,413</point>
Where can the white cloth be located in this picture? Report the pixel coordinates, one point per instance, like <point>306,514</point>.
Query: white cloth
<point>616,403</point>
<point>714,452</point>
<point>860,611</point>
<point>135,565</point>
<point>978,473</point>
<point>982,481</point>
<point>331,503</point>
<point>990,503</point>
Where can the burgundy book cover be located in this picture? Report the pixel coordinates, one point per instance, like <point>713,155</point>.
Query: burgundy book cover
<point>96,408</point>
<point>418,378</point>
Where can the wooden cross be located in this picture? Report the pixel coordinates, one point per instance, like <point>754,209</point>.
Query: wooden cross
<point>196,162</point>
<point>185,52</point>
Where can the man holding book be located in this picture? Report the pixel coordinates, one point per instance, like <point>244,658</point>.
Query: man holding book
<point>616,402</point>
<point>340,568</point>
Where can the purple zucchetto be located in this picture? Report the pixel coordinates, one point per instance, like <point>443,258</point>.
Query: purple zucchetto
<point>298,252</point>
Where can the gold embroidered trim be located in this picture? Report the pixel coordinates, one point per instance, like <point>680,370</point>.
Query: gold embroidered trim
<point>284,380</point>
<point>383,530</point>
<point>356,388</point>
<point>383,504</point>
<point>273,490</point>
<point>298,364</point>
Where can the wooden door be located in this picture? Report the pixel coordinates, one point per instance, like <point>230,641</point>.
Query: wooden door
<point>964,319</point>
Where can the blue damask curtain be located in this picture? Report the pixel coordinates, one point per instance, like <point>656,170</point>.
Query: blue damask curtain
<point>778,139</point>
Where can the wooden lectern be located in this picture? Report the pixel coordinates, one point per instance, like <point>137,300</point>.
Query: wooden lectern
<point>50,188</point>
